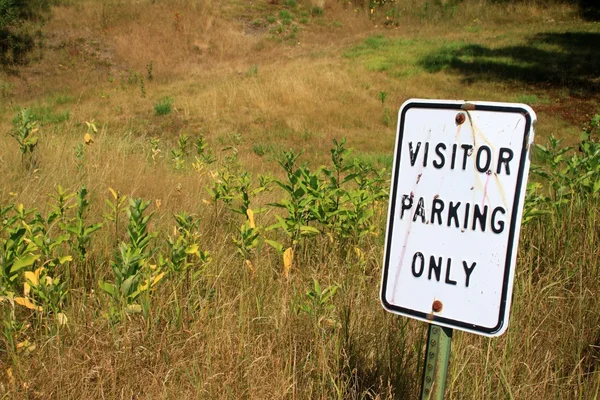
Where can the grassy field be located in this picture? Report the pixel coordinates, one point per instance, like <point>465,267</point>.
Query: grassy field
<point>193,198</point>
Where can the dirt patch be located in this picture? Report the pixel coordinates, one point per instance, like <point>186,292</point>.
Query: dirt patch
<point>576,110</point>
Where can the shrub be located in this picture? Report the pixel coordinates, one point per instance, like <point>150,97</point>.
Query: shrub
<point>164,106</point>
<point>17,38</point>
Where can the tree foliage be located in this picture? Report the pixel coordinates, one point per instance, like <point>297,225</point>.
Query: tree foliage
<point>19,28</point>
<point>590,9</point>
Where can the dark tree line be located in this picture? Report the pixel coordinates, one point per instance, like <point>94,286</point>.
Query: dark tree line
<point>590,9</point>
<point>19,28</point>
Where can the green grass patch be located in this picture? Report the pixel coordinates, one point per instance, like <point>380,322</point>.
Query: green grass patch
<point>316,11</point>
<point>6,89</point>
<point>286,16</point>
<point>262,149</point>
<point>473,29</point>
<point>553,59</point>
<point>375,160</point>
<point>164,106</point>
<point>63,98</point>
<point>532,99</point>
<point>398,57</point>
<point>45,114</point>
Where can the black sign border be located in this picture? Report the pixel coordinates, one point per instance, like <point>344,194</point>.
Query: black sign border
<point>511,236</point>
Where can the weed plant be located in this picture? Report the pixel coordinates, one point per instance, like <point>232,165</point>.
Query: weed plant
<point>163,106</point>
<point>336,210</point>
<point>26,135</point>
<point>241,276</point>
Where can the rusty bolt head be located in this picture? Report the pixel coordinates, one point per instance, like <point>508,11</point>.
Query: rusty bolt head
<point>437,306</point>
<point>460,118</point>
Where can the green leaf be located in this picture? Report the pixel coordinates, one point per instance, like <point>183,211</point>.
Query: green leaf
<point>276,245</point>
<point>23,262</point>
<point>64,259</point>
<point>309,230</point>
<point>91,229</point>
<point>192,249</point>
<point>317,286</point>
<point>126,285</point>
<point>73,229</point>
<point>59,240</point>
<point>109,288</point>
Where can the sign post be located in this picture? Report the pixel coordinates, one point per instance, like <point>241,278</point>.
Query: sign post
<point>435,369</point>
<point>456,201</point>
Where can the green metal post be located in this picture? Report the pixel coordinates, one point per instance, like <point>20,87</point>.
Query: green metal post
<point>435,369</point>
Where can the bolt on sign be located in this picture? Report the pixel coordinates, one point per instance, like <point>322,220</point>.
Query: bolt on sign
<point>458,187</point>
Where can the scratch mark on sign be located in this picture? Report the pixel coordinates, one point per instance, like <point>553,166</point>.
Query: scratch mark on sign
<point>485,187</point>
<point>407,235</point>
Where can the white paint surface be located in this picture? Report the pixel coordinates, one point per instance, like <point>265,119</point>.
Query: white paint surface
<point>483,306</point>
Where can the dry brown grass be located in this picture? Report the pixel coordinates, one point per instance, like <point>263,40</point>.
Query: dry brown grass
<point>234,333</point>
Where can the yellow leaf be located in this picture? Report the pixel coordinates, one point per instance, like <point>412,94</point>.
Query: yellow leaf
<point>64,259</point>
<point>114,194</point>
<point>11,378</point>
<point>91,126</point>
<point>288,258</point>
<point>25,302</point>
<point>359,253</point>
<point>250,266</point>
<point>157,279</point>
<point>26,289</point>
<point>192,249</point>
<point>250,214</point>
<point>330,236</point>
<point>62,319</point>
<point>30,348</point>
<point>24,343</point>
<point>133,309</point>
<point>143,286</point>
<point>87,138</point>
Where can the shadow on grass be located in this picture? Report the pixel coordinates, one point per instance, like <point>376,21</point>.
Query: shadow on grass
<point>590,9</point>
<point>551,60</point>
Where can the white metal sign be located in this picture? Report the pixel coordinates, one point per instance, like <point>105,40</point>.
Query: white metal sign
<point>456,201</point>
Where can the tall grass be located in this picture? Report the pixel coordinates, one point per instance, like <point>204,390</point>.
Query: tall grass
<point>271,262</point>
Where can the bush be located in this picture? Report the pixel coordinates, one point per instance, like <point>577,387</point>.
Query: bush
<point>18,33</point>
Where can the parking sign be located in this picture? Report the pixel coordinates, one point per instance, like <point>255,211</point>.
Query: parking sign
<point>456,200</point>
